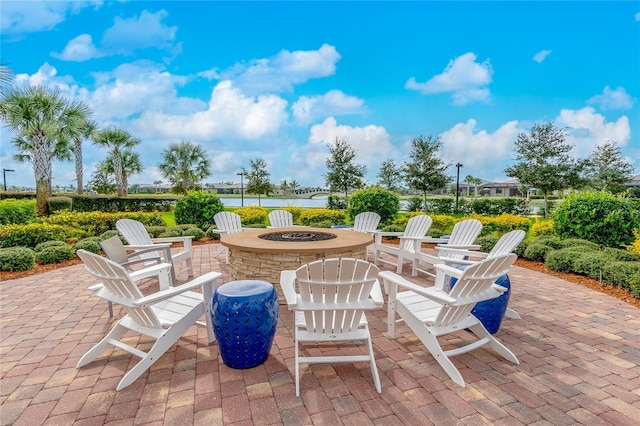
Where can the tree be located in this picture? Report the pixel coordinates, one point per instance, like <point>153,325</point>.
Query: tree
<point>284,185</point>
<point>258,178</point>
<point>545,161</point>
<point>131,165</point>
<point>185,165</point>
<point>84,131</point>
<point>425,171</point>
<point>6,76</point>
<point>342,171</point>
<point>40,120</point>
<point>476,181</point>
<point>469,180</point>
<point>390,176</point>
<point>607,170</point>
<point>117,140</point>
<point>101,180</point>
<point>293,185</point>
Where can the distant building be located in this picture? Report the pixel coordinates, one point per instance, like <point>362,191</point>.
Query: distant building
<point>509,188</point>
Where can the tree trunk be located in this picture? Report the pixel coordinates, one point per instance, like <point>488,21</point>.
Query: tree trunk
<point>117,168</point>
<point>42,188</point>
<point>78,155</point>
<point>546,207</point>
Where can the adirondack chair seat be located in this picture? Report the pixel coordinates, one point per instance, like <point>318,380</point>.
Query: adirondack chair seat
<point>245,315</point>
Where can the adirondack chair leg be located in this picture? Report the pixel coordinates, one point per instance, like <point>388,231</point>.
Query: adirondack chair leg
<point>116,333</point>
<point>400,263</point>
<point>110,309</point>
<point>479,330</point>
<point>374,368</point>
<point>297,362</point>
<point>391,314</point>
<point>512,314</point>
<point>189,268</point>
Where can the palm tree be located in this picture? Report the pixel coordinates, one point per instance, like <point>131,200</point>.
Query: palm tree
<point>284,185</point>
<point>293,185</point>
<point>469,181</point>
<point>85,131</point>
<point>131,165</point>
<point>185,165</point>
<point>6,76</point>
<point>476,181</point>
<point>117,140</point>
<point>41,120</point>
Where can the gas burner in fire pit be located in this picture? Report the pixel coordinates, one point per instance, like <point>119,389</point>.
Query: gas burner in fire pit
<point>297,236</point>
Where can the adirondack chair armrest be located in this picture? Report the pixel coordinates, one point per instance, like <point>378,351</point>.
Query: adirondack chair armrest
<point>159,270</point>
<point>462,247</point>
<point>450,260</point>
<point>148,247</point>
<point>288,284</point>
<point>185,240</point>
<point>376,294</point>
<point>394,280</point>
<point>208,278</point>
<point>449,270</point>
<point>443,251</point>
<point>135,261</point>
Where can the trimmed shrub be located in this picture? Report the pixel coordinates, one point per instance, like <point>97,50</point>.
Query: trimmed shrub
<point>621,273</point>
<point>198,208</point>
<point>155,231</point>
<point>375,199</point>
<point>211,233</point>
<point>196,233</point>
<point>414,204</point>
<point>170,232</point>
<point>393,228</point>
<point>487,242</point>
<point>109,234</point>
<point>621,255</point>
<point>599,217</point>
<point>59,203</point>
<point>435,232</point>
<point>31,234</point>
<point>522,247</point>
<point>542,227</point>
<point>295,212</point>
<point>322,224</point>
<point>17,212</point>
<point>16,259</point>
<point>95,223</point>
<point>561,260</point>
<point>47,244</point>
<point>87,244</point>
<point>255,225</point>
<point>577,242</point>
<point>253,215</point>
<point>55,254</point>
<point>634,284</point>
<point>443,222</point>
<point>590,263</point>
<point>502,224</point>
<point>537,252</point>
<point>311,216</point>
<point>553,242</point>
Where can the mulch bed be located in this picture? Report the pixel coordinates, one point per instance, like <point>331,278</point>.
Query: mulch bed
<point>613,291</point>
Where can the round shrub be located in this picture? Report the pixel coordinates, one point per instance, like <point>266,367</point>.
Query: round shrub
<point>47,244</point>
<point>55,254</point>
<point>620,273</point>
<point>252,215</point>
<point>16,259</point>
<point>553,242</point>
<point>561,260</point>
<point>171,232</point>
<point>196,233</point>
<point>88,245</point>
<point>537,252</point>
<point>435,232</point>
<point>198,208</point>
<point>155,231</point>
<point>311,216</point>
<point>634,283</point>
<point>577,242</point>
<point>590,263</point>
<point>597,216</point>
<point>487,242</point>
<point>522,247</point>
<point>375,199</point>
<point>211,233</point>
<point>322,224</point>
<point>622,255</point>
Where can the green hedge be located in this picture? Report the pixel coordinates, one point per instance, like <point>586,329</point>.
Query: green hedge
<point>16,259</point>
<point>107,203</point>
<point>313,216</point>
<point>95,223</point>
<point>19,212</point>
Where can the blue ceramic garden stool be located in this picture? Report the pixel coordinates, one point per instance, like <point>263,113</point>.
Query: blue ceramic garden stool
<point>491,312</point>
<point>245,316</point>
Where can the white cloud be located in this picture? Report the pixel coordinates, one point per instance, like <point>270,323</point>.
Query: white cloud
<point>282,71</point>
<point>465,78</point>
<point>616,99</point>
<point>541,56</point>
<point>19,17</point>
<point>125,37</point>
<point>481,153</point>
<point>586,129</point>
<point>79,49</point>
<point>637,16</point>
<point>333,103</point>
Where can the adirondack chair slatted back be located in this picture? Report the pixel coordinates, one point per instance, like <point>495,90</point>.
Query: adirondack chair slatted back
<point>366,222</point>
<point>120,288</point>
<point>507,243</point>
<point>465,232</point>
<point>417,226</point>
<point>228,221</point>
<point>334,293</point>
<point>280,219</point>
<point>136,234</point>
<point>473,286</point>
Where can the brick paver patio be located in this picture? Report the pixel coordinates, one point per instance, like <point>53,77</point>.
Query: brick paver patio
<point>579,354</point>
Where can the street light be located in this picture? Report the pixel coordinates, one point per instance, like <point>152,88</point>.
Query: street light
<point>458,165</point>
<point>241,189</point>
<point>4,177</point>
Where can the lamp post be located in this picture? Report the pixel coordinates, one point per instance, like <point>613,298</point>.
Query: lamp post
<point>4,177</point>
<point>241,189</point>
<point>458,165</point>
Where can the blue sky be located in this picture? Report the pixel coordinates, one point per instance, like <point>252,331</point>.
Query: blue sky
<point>281,80</point>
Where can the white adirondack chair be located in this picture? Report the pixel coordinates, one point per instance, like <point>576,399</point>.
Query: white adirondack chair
<point>367,222</point>
<point>410,242</point>
<point>505,245</point>
<point>280,219</point>
<point>115,250</point>
<point>329,306</point>
<point>226,223</point>
<point>462,237</point>
<point>431,313</point>
<point>164,316</point>
<point>139,239</point>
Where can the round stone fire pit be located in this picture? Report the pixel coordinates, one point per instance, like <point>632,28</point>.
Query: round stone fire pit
<point>263,253</point>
